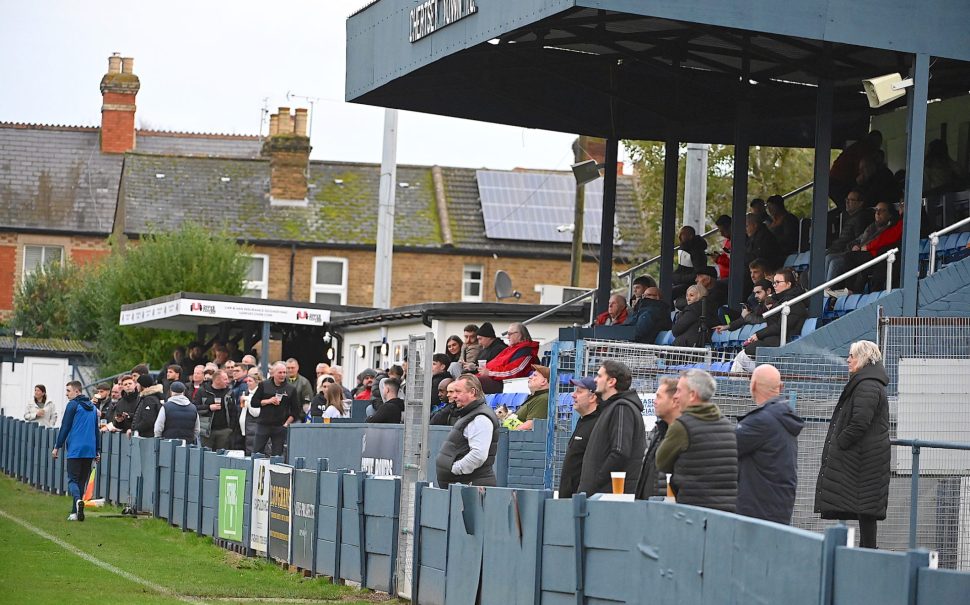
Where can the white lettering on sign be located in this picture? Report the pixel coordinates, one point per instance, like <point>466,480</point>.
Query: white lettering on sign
<point>379,467</point>
<point>431,15</point>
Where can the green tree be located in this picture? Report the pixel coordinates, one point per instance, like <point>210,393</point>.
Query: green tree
<point>41,307</point>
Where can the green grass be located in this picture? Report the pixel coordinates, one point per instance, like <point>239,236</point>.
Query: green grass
<point>35,570</point>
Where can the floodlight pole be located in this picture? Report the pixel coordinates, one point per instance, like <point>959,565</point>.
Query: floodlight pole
<point>576,257</point>
<point>383,259</point>
<point>605,280</point>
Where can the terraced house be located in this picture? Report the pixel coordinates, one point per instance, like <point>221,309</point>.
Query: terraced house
<point>311,225</point>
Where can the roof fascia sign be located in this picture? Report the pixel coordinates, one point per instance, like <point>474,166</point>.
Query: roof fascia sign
<point>225,310</point>
<point>428,17</point>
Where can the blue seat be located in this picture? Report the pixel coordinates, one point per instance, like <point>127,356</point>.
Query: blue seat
<point>734,339</point>
<point>491,400</point>
<point>790,260</point>
<point>802,261</point>
<point>924,249</point>
<point>809,326</point>
<point>851,302</point>
<point>665,338</point>
<point>565,403</point>
<point>515,400</point>
<point>565,377</point>
<point>719,340</point>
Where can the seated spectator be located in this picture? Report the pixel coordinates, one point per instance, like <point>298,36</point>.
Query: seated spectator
<point>639,286</point>
<point>761,243</point>
<point>453,349</point>
<point>514,361</point>
<point>689,327</point>
<point>616,312</point>
<point>722,259</point>
<point>757,271</point>
<point>884,233</point>
<point>751,315</point>
<point>786,289</point>
<point>471,349</point>
<point>855,220</point>
<point>391,411</point>
<point>691,256</point>
<point>940,172</point>
<point>845,169</point>
<point>717,294</point>
<point>490,346</point>
<point>876,181</point>
<point>651,316</point>
<point>536,407</point>
<point>783,225</point>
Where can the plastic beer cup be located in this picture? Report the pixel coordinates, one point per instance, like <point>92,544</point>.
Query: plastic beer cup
<point>618,480</point>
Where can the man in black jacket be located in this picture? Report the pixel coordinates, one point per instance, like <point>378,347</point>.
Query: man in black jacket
<point>586,404</point>
<point>618,440</point>
<point>650,315</point>
<point>123,412</point>
<point>391,411</point>
<point>652,482</point>
<point>277,399</point>
<point>760,243</point>
<point>445,415</point>
<point>768,451</point>
<point>215,402</point>
<point>149,402</point>
<point>439,372</point>
<point>691,256</point>
<point>491,344</point>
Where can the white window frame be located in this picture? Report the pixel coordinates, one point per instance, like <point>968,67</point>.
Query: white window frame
<point>481,283</point>
<point>262,285</point>
<point>328,289</point>
<point>43,262</point>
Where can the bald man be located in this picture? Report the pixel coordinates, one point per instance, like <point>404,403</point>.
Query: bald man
<point>768,450</point>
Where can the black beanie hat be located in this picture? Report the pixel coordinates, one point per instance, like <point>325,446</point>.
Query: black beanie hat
<point>146,381</point>
<point>487,330</point>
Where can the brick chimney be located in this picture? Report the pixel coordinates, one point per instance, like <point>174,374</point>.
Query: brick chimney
<point>118,89</point>
<point>288,150</point>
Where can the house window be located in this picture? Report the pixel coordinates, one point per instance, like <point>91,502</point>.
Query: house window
<point>329,280</point>
<point>37,257</point>
<point>471,283</point>
<point>256,284</point>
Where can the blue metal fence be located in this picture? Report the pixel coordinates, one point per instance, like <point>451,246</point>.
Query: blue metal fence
<point>501,545</point>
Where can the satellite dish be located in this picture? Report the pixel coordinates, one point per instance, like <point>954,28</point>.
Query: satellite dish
<point>503,286</point>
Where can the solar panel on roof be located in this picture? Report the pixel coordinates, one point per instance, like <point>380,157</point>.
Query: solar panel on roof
<point>532,205</point>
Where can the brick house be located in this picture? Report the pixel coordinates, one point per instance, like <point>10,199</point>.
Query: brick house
<point>311,225</point>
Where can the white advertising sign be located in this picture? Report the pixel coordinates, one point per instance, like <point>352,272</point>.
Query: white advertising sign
<point>225,310</point>
<point>260,517</point>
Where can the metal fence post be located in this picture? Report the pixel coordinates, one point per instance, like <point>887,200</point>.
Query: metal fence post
<point>834,538</point>
<point>889,271</point>
<point>579,516</point>
<point>914,497</point>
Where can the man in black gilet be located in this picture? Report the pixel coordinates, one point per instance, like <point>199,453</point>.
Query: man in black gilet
<point>468,454</point>
<point>178,418</point>
<point>700,448</point>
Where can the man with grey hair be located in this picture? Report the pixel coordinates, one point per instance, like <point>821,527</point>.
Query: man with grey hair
<point>468,453</point>
<point>700,448</point>
<point>277,400</point>
<point>514,361</point>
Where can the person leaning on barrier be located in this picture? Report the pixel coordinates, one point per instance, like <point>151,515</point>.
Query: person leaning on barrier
<point>468,454</point>
<point>586,404</point>
<point>768,451</point>
<point>178,418</point>
<point>853,481</point>
<point>700,448</point>
<point>536,407</point>
<point>651,482</point>
<point>618,440</point>
<point>391,410</point>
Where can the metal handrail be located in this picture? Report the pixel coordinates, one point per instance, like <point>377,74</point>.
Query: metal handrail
<point>916,444</point>
<point>935,241</point>
<point>549,312</point>
<point>785,307</point>
<point>646,263</point>
<point>795,192</point>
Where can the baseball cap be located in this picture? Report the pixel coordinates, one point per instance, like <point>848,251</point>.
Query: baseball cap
<point>586,382</point>
<point>177,387</point>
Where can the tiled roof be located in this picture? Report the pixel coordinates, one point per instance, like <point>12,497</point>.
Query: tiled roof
<point>46,345</point>
<point>201,144</point>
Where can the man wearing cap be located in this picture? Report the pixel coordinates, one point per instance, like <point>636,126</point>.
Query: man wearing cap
<point>178,417</point>
<point>468,453</point>
<point>514,361</point>
<point>716,290</point>
<point>586,404</point>
<point>537,405</point>
<point>616,312</point>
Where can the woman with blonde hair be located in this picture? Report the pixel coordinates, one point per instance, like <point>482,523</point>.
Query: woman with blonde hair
<point>337,407</point>
<point>853,482</point>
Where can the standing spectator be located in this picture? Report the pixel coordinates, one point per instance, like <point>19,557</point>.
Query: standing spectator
<point>468,453</point>
<point>80,432</point>
<point>617,442</point>
<point>108,408</point>
<point>536,406</point>
<point>40,409</point>
<point>444,415</point>
<point>220,355</point>
<point>279,407</point>
<point>616,312</point>
<point>783,225</point>
<point>149,402</point>
<point>178,417</point>
<point>513,361</point>
<point>365,384</point>
<point>337,406</point>
<point>391,411</point>
<point>249,360</point>
<point>757,208</point>
<point>304,390</point>
<point>471,349</point>
<point>216,404</point>
<point>247,414</point>
<point>586,404</point>
<point>102,399</point>
<point>238,374</point>
<point>845,168</point>
<point>700,447</point>
<point>173,372</point>
<point>319,402</point>
<point>453,349</point>
<point>761,243</point>
<point>667,409</point>
<point>195,358</point>
<point>124,411</point>
<point>322,369</point>
<point>338,376</point>
<point>198,377</point>
<point>876,181</point>
<point>853,482</point>
<point>768,451</point>
<point>439,372</point>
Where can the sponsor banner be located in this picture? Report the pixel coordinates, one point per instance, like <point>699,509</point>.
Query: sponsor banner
<point>232,498</point>
<point>304,517</point>
<point>225,310</point>
<point>260,513</point>
<point>280,511</point>
<point>380,452</point>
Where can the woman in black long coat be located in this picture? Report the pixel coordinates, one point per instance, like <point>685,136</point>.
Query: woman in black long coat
<point>853,482</point>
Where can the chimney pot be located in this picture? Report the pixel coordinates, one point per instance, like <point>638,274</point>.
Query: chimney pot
<point>274,125</point>
<point>286,121</point>
<point>114,63</point>
<point>127,65</point>
<point>300,122</point>
<point>118,90</point>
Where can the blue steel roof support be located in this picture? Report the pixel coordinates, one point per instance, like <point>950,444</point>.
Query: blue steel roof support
<point>820,192</point>
<point>668,231</point>
<point>916,97</point>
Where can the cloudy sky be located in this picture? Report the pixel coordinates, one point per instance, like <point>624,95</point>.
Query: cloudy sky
<point>207,66</point>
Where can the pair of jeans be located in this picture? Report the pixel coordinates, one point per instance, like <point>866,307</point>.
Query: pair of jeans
<point>78,473</point>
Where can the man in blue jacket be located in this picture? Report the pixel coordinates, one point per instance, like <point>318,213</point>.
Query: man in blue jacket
<point>768,451</point>
<point>79,430</point>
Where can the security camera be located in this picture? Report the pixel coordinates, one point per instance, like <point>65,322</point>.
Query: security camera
<point>885,89</point>
<point>565,228</point>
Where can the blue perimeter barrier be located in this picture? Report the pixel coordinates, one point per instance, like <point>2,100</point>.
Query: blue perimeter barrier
<point>500,545</point>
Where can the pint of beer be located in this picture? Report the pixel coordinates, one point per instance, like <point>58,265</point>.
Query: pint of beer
<point>618,479</point>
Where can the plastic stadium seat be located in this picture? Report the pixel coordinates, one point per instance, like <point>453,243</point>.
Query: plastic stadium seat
<point>924,249</point>
<point>491,400</point>
<point>745,333</point>
<point>719,340</point>
<point>565,403</point>
<point>840,306</point>
<point>665,338</point>
<point>852,302</point>
<point>790,260</point>
<point>565,377</point>
<point>515,400</point>
<point>802,261</point>
<point>809,326</point>
<point>734,339</point>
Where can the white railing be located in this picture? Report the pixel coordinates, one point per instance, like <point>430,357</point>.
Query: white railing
<point>571,301</point>
<point>785,307</point>
<point>935,241</point>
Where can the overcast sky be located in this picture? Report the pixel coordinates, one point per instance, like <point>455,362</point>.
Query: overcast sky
<point>207,66</point>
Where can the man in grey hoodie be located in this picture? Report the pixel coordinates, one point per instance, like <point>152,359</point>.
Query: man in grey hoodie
<point>178,418</point>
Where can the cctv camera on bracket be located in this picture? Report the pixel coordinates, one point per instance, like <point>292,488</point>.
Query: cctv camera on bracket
<point>885,89</point>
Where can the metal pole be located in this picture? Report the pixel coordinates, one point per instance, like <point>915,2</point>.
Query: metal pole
<point>889,271</point>
<point>739,206</point>
<point>264,351</point>
<point>784,325</point>
<point>668,229</point>
<point>934,242</point>
<point>820,195</point>
<point>383,260</point>
<point>604,284</point>
<point>916,97</point>
<point>579,213</point>
<point>914,497</point>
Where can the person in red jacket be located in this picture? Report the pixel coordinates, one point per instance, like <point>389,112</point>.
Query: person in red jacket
<point>616,312</point>
<point>886,240</point>
<point>514,361</point>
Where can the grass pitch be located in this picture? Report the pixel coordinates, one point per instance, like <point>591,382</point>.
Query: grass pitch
<point>181,567</point>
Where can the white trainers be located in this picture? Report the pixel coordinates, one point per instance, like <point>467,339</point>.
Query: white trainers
<point>836,293</point>
<point>80,510</point>
<point>72,517</point>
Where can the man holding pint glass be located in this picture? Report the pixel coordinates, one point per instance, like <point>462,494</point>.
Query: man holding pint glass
<point>614,454</point>
<point>276,398</point>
